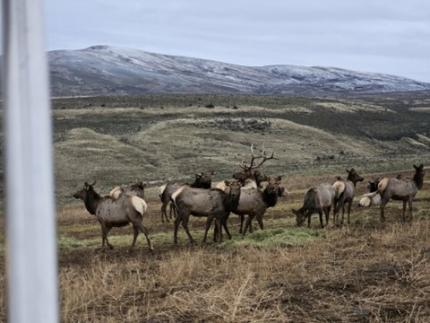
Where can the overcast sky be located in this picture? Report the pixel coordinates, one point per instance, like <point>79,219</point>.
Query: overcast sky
<point>367,35</point>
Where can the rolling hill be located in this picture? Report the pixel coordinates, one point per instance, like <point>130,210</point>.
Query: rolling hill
<point>105,70</point>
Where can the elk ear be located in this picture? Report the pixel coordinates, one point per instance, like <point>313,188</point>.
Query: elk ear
<point>347,170</point>
<point>421,166</point>
<point>415,166</point>
<point>227,183</point>
<point>279,178</point>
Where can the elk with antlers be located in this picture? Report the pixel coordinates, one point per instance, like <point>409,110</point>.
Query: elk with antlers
<point>251,170</point>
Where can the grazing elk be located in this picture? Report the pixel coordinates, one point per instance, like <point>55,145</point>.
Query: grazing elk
<point>210,203</point>
<point>115,213</point>
<point>202,180</point>
<point>401,190</point>
<point>345,191</point>
<point>250,171</point>
<point>317,199</point>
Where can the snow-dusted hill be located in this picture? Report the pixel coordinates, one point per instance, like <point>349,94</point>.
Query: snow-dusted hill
<point>104,70</point>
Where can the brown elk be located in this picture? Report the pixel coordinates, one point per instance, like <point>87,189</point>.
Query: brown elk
<point>401,190</point>
<point>202,180</point>
<point>251,170</point>
<point>345,192</point>
<point>254,202</point>
<point>317,199</point>
<point>371,198</point>
<point>210,203</point>
<point>115,213</point>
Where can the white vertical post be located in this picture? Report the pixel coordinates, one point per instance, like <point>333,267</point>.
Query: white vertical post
<point>30,209</point>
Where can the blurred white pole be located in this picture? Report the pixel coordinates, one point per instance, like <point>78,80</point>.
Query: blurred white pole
<point>30,210</point>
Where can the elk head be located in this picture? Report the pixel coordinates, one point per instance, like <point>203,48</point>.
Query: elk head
<point>419,176</point>
<point>81,194</point>
<point>353,176</point>
<point>250,170</point>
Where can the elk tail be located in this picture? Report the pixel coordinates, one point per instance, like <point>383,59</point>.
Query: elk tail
<point>339,188</point>
<point>162,188</point>
<point>382,185</point>
<point>139,204</point>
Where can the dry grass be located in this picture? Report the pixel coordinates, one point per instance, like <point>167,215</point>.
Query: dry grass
<point>365,273</point>
<point>355,275</point>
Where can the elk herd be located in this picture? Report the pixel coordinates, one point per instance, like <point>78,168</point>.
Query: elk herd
<point>248,195</point>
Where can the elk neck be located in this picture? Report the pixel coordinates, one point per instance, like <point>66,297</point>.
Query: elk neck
<point>270,197</point>
<point>91,201</point>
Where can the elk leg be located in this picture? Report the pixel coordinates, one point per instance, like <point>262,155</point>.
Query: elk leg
<point>410,208</point>
<point>103,235</point>
<point>247,224</point>
<point>309,220</point>
<point>343,213</point>
<point>335,210</point>
<point>144,230</point>
<point>404,211</point>
<point>208,225</point>
<point>178,220</point>
<point>224,224</point>
<point>260,221</point>
<point>185,226</point>
<point>163,212</point>
<point>241,223</point>
<point>172,210</point>
<point>382,213</point>
<point>219,229</point>
<point>327,214</point>
<point>349,211</point>
<point>135,234</point>
<point>321,218</point>
<point>251,229</point>
<point>106,238</point>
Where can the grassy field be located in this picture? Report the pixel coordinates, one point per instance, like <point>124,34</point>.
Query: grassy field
<point>365,272</point>
<point>158,138</point>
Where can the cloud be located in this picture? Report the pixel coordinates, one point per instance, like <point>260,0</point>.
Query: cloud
<point>375,35</point>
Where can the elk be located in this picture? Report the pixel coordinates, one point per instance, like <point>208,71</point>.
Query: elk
<point>202,180</point>
<point>200,202</point>
<point>115,213</point>
<point>345,191</point>
<point>254,202</point>
<point>401,190</point>
<point>317,199</point>
<point>371,198</point>
<point>250,171</point>
<point>137,188</point>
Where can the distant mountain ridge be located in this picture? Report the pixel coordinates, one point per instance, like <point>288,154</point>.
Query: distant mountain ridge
<point>106,70</point>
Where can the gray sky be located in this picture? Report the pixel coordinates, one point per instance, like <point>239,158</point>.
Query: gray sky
<point>385,36</point>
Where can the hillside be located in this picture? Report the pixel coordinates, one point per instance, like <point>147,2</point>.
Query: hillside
<point>104,70</point>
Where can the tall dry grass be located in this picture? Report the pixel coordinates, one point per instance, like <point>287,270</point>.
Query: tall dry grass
<point>359,274</point>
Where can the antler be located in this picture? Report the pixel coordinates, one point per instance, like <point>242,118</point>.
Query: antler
<point>265,158</point>
<point>252,165</point>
